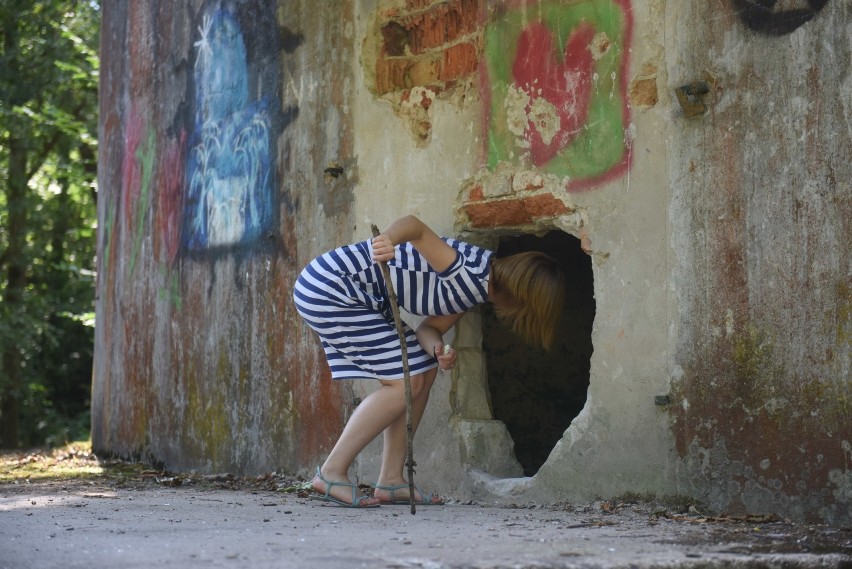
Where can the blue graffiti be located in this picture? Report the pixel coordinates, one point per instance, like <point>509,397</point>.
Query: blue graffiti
<point>229,172</point>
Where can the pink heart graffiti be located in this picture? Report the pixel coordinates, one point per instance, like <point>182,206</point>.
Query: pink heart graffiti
<point>565,84</point>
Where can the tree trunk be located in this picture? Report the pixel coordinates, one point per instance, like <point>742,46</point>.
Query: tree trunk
<point>16,281</point>
<point>15,267</point>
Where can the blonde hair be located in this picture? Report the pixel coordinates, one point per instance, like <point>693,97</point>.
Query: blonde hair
<point>530,294</point>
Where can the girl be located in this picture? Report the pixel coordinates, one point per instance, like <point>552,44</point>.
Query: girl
<point>342,296</point>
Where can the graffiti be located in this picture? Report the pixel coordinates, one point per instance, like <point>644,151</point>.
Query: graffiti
<point>230,175</point>
<point>556,98</point>
<point>170,199</point>
<point>554,95</point>
<point>767,17</point>
<point>137,172</point>
<point>171,292</point>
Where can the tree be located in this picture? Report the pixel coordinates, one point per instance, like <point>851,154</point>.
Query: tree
<point>48,125</point>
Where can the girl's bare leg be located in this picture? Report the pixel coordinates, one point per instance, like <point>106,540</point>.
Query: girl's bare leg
<point>376,412</point>
<point>395,444</point>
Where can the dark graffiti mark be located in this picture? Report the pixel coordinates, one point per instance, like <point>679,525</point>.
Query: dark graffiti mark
<point>763,16</point>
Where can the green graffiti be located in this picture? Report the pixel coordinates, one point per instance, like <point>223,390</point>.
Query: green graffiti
<point>145,157</point>
<point>563,110</point>
<point>171,292</point>
<point>110,213</point>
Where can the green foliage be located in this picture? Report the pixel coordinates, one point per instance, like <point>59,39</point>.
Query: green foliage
<point>48,132</point>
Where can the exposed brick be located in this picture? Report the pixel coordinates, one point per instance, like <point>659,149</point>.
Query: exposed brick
<point>459,60</point>
<point>507,213</point>
<point>423,71</point>
<point>497,214</point>
<point>395,38</point>
<point>423,32</point>
<point>476,194</point>
<point>391,74</point>
<point>389,14</point>
<point>469,20</point>
<point>441,24</point>
<point>411,53</point>
<point>545,205</point>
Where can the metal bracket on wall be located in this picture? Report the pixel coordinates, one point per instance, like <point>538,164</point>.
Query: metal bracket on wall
<point>691,98</point>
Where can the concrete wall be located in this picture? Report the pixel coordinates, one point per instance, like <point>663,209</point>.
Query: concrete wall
<point>218,123</point>
<point>698,153</point>
<point>760,228</point>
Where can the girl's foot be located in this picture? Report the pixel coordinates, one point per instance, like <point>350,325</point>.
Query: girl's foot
<point>340,492</point>
<point>399,494</point>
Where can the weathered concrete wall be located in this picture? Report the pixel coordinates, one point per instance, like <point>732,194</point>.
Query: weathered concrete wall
<point>218,121</point>
<point>760,215</point>
<point>717,224</point>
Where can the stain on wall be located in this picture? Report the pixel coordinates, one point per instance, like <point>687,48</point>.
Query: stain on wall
<point>776,18</point>
<point>761,213</point>
<point>554,88</point>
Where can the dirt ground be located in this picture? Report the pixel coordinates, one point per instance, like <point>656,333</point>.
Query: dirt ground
<point>67,508</point>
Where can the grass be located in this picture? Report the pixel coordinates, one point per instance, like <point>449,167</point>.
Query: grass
<point>72,462</point>
<point>76,464</point>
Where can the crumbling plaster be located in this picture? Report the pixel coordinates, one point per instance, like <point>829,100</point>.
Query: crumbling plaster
<point>687,271</point>
<point>620,440</point>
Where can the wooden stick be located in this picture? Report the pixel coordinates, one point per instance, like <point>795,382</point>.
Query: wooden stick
<point>406,377</point>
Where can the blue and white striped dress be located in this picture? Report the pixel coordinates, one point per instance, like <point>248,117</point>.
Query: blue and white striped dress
<point>342,296</point>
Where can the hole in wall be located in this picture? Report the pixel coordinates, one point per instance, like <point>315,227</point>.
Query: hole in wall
<point>535,393</point>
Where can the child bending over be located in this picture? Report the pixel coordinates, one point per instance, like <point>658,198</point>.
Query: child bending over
<point>342,296</point>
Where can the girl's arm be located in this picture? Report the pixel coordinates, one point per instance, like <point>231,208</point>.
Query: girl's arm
<point>409,229</point>
<point>430,336</point>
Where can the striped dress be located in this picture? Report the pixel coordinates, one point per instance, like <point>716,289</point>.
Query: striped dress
<point>342,296</point>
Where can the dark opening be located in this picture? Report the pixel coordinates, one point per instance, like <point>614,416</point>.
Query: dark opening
<point>537,393</point>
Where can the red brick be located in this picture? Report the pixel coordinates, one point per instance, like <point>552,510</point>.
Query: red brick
<point>391,74</point>
<point>476,194</point>
<point>544,205</point>
<point>424,33</point>
<point>441,24</point>
<point>459,60</point>
<point>389,14</point>
<point>508,213</point>
<point>423,71</point>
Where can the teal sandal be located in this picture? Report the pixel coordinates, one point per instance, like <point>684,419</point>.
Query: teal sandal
<point>425,499</point>
<point>327,497</point>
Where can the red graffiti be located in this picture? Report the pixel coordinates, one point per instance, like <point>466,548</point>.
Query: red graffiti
<point>563,80</point>
<point>170,199</point>
<point>131,170</point>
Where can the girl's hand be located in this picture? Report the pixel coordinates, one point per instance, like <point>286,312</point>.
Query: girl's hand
<point>382,248</point>
<point>409,229</point>
<point>446,356</point>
